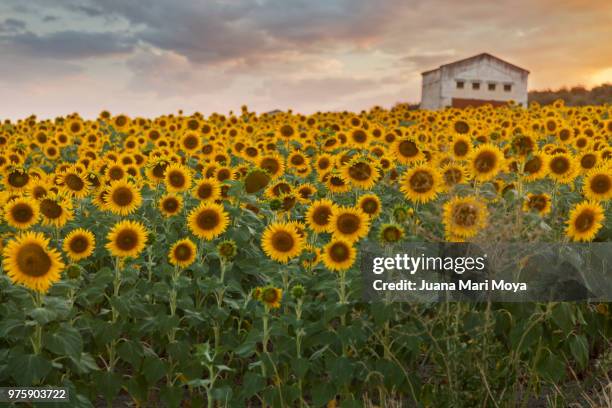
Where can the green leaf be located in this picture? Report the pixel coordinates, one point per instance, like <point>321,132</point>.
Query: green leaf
<point>65,341</point>
<point>551,367</point>
<point>108,383</point>
<point>28,369</point>
<point>341,370</point>
<point>322,394</point>
<point>253,383</point>
<point>171,396</point>
<point>301,366</point>
<point>153,369</point>
<point>85,363</point>
<point>580,349</point>
<point>43,315</point>
<point>130,351</point>
<point>563,317</point>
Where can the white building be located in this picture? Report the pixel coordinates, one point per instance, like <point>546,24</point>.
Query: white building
<point>474,81</point>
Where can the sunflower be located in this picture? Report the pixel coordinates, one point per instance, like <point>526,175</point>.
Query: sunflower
<point>127,238</point>
<point>561,168</point>
<point>116,171</point>
<point>207,190</point>
<point>29,261</point>
<point>297,160</point>
<point>208,220</point>
<point>453,174</point>
<point>271,297</point>
<point>17,179</point>
<point>336,183</point>
<point>79,244</point>
<point>156,169</point>
<point>421,183</point>
<point>358,137</point>
<point>318,215</point>
<point>598,184</point>
<point>170,205</point>
<point>190,142</point>
<point>55,210</point>
<point>370,204</point>
<point>122,198</point>
<point>464,216</point>
<point>390,233</point>
<point>541,203</point>
<point>227,249</point>
<point>339,255</point>
<point>349,224</point>
<point>182,253</point>
<point>461,126</point>
<point>406,151</point>
<point>281,242</point>
<point>74,182</point>
<point>587,161</point>
<point>39,188</point>
<point>22,212</point>
<point>324,162</point>
<point>486,161</point>
<point>461,146</point>
<point>585,221</point>
<point>177,178</point>
<point>360,173</point>
<point>535,167</point>
<point>305,192</point>
<point>273,164</point>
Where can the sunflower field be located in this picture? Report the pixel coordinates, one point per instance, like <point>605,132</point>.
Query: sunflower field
<point>214,261</point>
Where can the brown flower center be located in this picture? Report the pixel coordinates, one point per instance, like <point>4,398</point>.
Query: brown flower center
<point>339,252</point>
<point>208,219</point>
<point>283,241</point>
<point>601,183</point>
<point>421,181</point>
<point>79,244</point>
<point>122,196</point>
<point>348,223</point>
<point>50,209</point>
<point>33,260</point>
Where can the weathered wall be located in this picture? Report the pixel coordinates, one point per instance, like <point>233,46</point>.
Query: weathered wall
<point>484,70</point>
<point>430,91</point>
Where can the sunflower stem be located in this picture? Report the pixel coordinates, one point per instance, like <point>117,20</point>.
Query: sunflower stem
<point>266,336</point>
<point>37,336</point>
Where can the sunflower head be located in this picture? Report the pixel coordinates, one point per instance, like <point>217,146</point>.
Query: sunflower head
<point>585,221</point>
<point>390,233</point>
<point>339,255</point>
<point>271,297</point>
<point>79,244</point>
<point>127,238</point>
<point>208,220</point>
<point>298,292</point>
<point>182,253</point>
<point>421,184</point>
<point>282,242</point>
<point>227,249</point>
<point>370,204</point>
<point>464,216</point>
<point>170,205</point>
<point>29,261</point>
<point>22,212</point>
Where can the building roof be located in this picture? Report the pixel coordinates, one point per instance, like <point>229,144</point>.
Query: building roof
<point>479,56</point>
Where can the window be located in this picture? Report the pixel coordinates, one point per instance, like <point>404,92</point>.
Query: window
<point>507,87</point>
<point>459,84</point>
<point>491,87</point>
<point>475,86</point>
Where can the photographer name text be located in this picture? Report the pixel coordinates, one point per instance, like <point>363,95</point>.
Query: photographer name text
<point>462,285</point>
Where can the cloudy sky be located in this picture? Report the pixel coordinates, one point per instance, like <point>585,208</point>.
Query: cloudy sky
<point>149,57</point>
